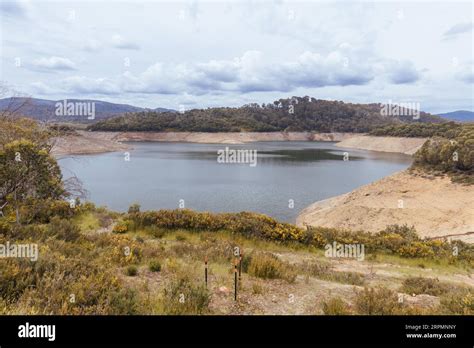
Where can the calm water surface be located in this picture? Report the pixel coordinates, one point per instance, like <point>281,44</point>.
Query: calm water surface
<point>159,175</point>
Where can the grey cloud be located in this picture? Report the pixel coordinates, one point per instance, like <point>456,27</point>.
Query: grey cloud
<point>124,44</point>
<point>403,73</point>
<point>12,8</point>
<point>458,29</point>
<point>250,73</point>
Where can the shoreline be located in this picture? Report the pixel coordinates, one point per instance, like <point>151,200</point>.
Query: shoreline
<point>85,142</point>
<point>435,206</point>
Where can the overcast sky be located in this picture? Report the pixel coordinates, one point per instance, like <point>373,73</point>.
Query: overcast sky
<point>201,53</point>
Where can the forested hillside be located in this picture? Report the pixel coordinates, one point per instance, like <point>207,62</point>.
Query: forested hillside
<point>292,114</point>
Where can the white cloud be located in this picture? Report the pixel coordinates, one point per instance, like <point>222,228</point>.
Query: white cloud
<point>246,74</point>
<point>54,63</point>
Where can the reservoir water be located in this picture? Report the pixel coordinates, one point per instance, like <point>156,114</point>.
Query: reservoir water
<point>287,177</point>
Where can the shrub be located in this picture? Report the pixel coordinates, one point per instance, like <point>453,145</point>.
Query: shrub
<point>268,266</point>
<point>416,249</point>
<point>245,223</point>
<point>420,285</point>
<point>155,231</point>
<point>5,227</point>
<point>459,302</point>
<point>182,296</point>
<point>124,302</point>
<point>132,271</point>
<point>134,208</point>
<point>336,306</point>
<point>257,289</point>
<point>376,301</point>
<point>43,211</point>
<point>63,229</point>
<point>154,266</point>
<point>181,237</point>
<point>120,227</point>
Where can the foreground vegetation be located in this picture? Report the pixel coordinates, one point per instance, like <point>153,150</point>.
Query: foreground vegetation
<point>158,268</point>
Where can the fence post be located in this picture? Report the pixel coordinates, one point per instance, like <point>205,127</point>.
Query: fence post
<point>205,270</point>
<point>240,266</point>
<point>235,280</point>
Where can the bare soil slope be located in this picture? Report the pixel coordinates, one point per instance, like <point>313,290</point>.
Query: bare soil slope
<point>404,145</point>
<point>435,206</point>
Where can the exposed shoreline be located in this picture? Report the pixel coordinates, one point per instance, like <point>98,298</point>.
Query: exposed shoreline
<point>435,206</point>
<point>407,146</point>
<point>99,142</point>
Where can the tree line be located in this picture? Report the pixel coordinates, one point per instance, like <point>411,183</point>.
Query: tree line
<point>294,114</point>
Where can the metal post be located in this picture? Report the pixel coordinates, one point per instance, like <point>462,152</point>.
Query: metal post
<point>205,270</point>
<point>235,280</point>
<point>240,266</point>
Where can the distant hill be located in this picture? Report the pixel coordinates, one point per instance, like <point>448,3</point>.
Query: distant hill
<point>45,110</point>
<point>459,116</point>
<point>292,114</point>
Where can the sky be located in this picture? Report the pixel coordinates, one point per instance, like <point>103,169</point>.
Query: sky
<point>199,54</point>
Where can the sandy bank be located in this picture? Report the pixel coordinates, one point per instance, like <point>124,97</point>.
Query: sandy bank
<point>87,143</point>
<point>230,138</point>
<point>99,142</point>
<point>435,206</point>
<point>407,146</point>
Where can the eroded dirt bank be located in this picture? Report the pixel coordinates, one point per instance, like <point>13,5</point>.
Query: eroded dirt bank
<point>97,142</point>
<point>435,206</point>
<point>406,146</point>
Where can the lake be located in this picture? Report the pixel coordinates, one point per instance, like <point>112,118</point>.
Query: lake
<point>287,177</point>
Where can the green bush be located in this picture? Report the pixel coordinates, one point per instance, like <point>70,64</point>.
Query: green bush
<point>63,229</point>
<point>245,223</point>
<point>132,271</point>
<point>459,302</point>
<point>154,266</point>
<point>268,266</point>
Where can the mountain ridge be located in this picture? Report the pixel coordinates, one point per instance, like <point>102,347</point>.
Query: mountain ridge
<point>45,109</point>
